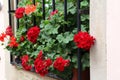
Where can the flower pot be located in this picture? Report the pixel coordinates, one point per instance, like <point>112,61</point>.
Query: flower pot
<point>75,74</point>
<point>85,74</point>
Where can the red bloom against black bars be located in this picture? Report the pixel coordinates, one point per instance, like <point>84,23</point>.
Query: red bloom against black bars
<point>19,13</point>
<point>83,40</point>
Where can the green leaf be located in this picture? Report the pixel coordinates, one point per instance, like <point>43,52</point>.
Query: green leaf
<point>74,59</point>
<point>85,60</point>
<point>51,55</point>
<point>84,3</point>
<point>65,37</point>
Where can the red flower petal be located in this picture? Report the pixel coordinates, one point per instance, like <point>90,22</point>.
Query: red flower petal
<point>19,12</point>
<point>33,33</point>
<point>83,40</point>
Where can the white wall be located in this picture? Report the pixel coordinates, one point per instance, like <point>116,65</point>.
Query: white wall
<point>113,39</point>
<point>98,53</point>
<point>2,53</point>
<point>105,26</point>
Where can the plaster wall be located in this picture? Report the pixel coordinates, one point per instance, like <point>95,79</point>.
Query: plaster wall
<point>113,39</point>
<point>98,53</point>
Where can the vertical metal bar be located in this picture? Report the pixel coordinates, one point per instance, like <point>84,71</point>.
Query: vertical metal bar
<point>65,10</point>
<point>16,3</point>
<point>9,7</point>
<point>34,18</point>
<point>79,50</point>
<point>17,26</point>
<point>78,15</point>
<point>53,3</point>
<point>10,24</point>
<point>43,8</point>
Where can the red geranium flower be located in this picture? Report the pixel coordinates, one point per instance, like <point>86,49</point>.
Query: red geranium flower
<point>19,12</point>
<point>25,64</point>
<point>2,36</point>
<point>25,58</point>
<point>83,40</point>
<point>9,31</point>
<point>54,12</point>
<point>48,62</point>
<point>13,42</point>
<point>40,55</point>
<point>33,33</point>
<point>41,65</point>
<point>60,63</point>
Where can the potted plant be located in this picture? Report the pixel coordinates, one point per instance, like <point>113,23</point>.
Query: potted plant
<point>50,45</point>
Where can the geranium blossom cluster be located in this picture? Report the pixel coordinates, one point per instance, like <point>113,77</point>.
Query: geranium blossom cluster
<point>19,13</point>
<point>41,65</point>
<point>61,63</point>
<point>32,34</point>
<point>12,41</point>
<point>25,60</point>
<point>9,31</point>
<point>2,37</point>
<point>83,40</point>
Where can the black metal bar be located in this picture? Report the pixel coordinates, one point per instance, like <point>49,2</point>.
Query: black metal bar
<point>34,18</point>
<point>17,3</point>
<point>10,24</point>
<point>65,10</point>
<point>43,8</point>
<point>79,50</point>
<point>11,11</point>
<point>10,17</point>
<point>53,3</point>
<point>78,15</point>
<point>17,26</point>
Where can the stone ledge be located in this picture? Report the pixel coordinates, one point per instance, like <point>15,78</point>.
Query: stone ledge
<point>26,75</point>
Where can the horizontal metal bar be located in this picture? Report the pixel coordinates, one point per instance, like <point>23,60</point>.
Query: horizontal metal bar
<point>86,11</point>
<point>11,11</point>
